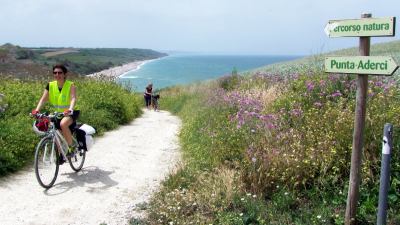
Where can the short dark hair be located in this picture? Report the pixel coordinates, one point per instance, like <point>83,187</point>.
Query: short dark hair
<point>62,67</point>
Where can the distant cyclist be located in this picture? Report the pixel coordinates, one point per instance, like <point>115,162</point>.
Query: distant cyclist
<point>61,93</point>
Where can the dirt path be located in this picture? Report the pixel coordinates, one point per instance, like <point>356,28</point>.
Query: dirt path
<point>59,52</point>
<point>122,169</point>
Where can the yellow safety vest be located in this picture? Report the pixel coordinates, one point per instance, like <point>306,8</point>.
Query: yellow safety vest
<point>60,99</point>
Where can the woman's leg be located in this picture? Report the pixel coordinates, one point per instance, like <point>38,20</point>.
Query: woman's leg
<point>64,124</point>
<point>145,101</point>
<point>148,99</point>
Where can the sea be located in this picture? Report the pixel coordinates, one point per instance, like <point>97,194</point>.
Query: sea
<point>180,69</point>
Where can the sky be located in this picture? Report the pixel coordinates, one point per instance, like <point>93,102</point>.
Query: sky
<point>281,27</point>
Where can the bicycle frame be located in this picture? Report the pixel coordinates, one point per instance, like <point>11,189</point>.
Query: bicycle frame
<point>58,139</point>
<point>61,143</point>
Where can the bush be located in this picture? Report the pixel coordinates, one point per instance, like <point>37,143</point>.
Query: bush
<point>105,104</point>
<point>229,82</point>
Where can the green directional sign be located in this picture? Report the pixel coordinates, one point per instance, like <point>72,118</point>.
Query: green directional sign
<point>376,65</point>
<point>366,27</point>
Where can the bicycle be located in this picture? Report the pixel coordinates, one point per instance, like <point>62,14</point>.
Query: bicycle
<point>154,101</point>
<point>52,150</point>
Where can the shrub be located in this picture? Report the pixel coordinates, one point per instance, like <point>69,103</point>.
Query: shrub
<point>229,82</point>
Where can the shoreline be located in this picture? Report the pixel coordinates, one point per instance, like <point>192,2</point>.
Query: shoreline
<point>119,71</point>
<point>141,63</point>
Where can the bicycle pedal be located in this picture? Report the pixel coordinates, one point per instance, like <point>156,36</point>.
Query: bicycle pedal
<point>61,161</point>
<point>82,151</point>
<point>70,154</point>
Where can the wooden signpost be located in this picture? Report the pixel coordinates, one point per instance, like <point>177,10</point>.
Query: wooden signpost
<point>363,65</point>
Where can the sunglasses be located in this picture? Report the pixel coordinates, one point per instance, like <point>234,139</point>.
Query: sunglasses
<point>58,72</point>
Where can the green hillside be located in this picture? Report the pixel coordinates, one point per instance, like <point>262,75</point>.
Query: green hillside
<point>273,146</point>
<point>316,62</point>
<point>23,62</point>
<point>85,61</point>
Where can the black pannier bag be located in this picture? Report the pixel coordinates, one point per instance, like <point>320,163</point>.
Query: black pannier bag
<point>80,137</point>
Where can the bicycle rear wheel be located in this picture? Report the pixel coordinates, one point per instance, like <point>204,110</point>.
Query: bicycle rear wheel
<point>77,159</point>
<point>46,162</point>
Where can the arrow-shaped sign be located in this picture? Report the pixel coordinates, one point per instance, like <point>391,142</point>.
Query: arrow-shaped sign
<point>366,27</point>
<point>375,65</point>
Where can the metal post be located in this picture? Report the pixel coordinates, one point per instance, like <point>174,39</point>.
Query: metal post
<point>359,124</point>
<point>385,173</point>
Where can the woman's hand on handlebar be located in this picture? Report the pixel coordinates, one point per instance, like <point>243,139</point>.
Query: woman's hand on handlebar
<point>34,112</point>
<point>67,112</point>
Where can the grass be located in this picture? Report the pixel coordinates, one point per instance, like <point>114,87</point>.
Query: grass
<point>274,148</point>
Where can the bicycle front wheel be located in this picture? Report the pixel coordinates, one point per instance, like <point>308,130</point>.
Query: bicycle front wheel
<point>46,162</point>
<point>77,159</point>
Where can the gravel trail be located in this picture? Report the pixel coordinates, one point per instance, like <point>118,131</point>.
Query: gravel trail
<point>123,169</point>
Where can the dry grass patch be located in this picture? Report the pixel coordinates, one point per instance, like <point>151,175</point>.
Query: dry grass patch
<point>211,193</point>
<point>59,52</point>
<point>269,95</point>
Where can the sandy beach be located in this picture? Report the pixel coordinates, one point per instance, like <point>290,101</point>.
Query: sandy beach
<point>119,70</point>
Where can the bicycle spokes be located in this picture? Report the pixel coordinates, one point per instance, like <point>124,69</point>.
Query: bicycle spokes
<point>48,156</point>
<point>77,159</point>
<point>46,166</point>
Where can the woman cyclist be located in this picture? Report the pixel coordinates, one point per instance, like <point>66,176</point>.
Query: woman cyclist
<point>61,93</point>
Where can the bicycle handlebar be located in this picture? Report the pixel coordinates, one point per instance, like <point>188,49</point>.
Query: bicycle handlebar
<point>44,115</point>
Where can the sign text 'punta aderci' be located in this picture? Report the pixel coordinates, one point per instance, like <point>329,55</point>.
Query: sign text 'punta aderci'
<point>376,65</point>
